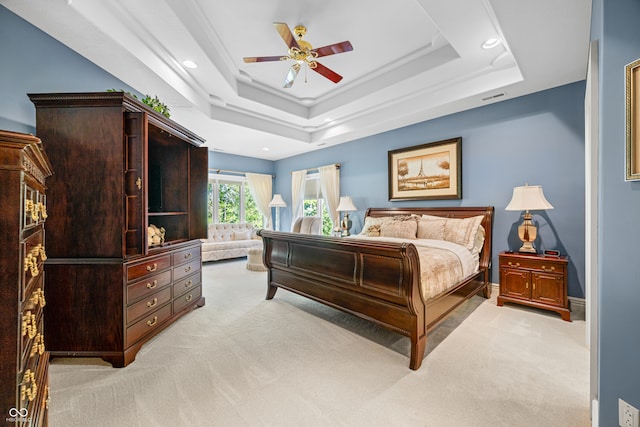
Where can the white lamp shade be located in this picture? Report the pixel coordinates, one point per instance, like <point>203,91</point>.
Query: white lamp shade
<point>277,202</point>
<point>346,204</point>
<point>528,198</point>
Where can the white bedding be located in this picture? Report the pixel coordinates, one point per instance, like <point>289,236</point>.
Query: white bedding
<point>442,263</point>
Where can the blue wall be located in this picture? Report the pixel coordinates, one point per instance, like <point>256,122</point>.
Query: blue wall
<point>230,162</point>
<point>615,26</point>
<point>34,62</point>
<point>536,139</point>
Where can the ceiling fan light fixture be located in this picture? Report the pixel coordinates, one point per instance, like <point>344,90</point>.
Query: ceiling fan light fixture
<point>189,63</point>
<point>491,43</point>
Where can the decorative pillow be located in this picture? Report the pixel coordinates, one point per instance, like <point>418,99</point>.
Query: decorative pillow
<point>462,230</point>
<point>242,235</point>
<point>400,229</point>
<point>369,221</point>
<point>431,228</point>
<point>373,230</point>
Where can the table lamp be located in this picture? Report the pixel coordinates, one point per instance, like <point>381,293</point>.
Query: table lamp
<point>346,205</point>
<point>526,198</point>
<point>277,202</point>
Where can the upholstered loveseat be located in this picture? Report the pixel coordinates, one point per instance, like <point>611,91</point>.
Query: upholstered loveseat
<point>229,241</point>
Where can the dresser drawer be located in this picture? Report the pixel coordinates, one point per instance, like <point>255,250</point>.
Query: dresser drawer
<point>33,258</point>
<point>32,346</point>
<point>148,305</point>
<point>186,284</point>
<point>148,267</point>
<point>147,286</point>
<point>188,298</point>
<point>147,324</point>
<point>186,255</point>
<point>186,269</point>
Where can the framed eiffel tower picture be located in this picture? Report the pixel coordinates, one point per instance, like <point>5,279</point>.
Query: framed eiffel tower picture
<point>426,172</point>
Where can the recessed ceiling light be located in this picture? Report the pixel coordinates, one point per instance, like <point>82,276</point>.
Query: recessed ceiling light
<point>491,43</point>
<point>265,149</point>
<point>328,119</point>
<point>189,64</point>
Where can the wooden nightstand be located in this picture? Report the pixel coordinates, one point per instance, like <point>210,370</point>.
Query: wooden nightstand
<point>534,280</point>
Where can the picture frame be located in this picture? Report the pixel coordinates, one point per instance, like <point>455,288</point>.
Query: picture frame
<point>632,83</point>
<point>429,171</point>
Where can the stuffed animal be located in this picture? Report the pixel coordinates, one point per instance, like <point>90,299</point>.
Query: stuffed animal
<point>155,235</point>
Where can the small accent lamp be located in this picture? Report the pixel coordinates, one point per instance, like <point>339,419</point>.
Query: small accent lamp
<point>346,205</point>
<point>529,197</point>
<point>277,202</point>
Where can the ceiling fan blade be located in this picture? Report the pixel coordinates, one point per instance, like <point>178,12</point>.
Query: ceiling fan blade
<point>261,58</point>
<point>286,34</point>
<point>327,72</point>
<point>291,76</point>
<point>332,49</point>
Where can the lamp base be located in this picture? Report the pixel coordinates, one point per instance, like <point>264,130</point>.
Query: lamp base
<point>528,248</point>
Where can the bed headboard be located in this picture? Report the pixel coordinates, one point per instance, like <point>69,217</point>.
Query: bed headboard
<point>453,212</point>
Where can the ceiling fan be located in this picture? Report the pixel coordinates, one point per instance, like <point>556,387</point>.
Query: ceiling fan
<point>302,53</point>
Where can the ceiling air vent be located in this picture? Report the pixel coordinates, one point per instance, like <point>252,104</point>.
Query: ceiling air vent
<point>492,97</point>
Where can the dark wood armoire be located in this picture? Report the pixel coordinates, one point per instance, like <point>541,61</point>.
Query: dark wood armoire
<point>120,168</point>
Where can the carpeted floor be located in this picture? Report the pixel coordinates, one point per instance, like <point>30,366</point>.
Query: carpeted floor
<point>243,361</point>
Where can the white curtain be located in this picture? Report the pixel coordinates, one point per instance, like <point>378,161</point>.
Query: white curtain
<point>330,184</point>
<point>260,188</point>
<point>298,182</point>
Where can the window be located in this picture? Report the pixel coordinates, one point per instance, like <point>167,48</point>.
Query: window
<point>314,205</point>
<point>230,201</point>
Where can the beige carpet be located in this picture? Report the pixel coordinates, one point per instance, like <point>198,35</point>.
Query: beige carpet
<point>245,361</point>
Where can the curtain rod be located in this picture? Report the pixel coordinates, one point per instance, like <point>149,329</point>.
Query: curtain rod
<point>218,171</point>
<point>318,167</point>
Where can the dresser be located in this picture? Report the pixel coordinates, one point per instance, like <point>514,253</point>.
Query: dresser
<point>121,169</point>
<point>24,361</point>
<point>534,280</point>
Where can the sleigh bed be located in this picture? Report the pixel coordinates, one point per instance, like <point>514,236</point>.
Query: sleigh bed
<point>380,278</point>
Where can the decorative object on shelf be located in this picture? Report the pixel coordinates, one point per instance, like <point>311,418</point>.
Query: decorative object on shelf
<point>154,102</point>
<point>428,171</point>
<point>346,205</point>
<point>526,198</point>
<point>632,83</point>
<point>277,202</point>
<point>155,235</point>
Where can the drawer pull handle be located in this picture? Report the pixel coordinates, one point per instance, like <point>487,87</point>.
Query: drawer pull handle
<point>188,269</point>
<point>517,264</point>
<point>152,303</point>
<point>28,393</point>
<point>188,284</point>
<point>152,322</point>
<point>152,268</point>
<point>139,183</point>
<point>187,256</point>
<point>189,297</point>
<point>152,285</point>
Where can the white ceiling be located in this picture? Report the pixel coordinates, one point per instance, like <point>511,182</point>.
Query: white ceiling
<point>412,60</point>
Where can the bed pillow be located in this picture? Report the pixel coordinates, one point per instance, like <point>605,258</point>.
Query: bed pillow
<point>462,230</point>
<point>242,235</point>
<point>399,229</point>
<point>431,227</point>
<point>479,240</point>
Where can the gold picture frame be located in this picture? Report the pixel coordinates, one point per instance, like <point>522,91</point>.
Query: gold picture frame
<point>632,83</point>
<point>426,172</point>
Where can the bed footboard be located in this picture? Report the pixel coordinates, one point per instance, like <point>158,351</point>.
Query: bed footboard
<point>377,281</point>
